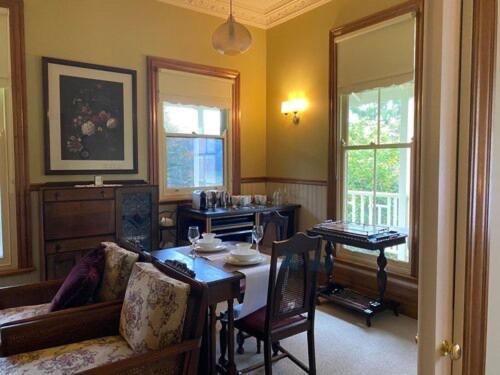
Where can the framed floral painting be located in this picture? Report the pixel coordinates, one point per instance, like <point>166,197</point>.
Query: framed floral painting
<point>90,122</point>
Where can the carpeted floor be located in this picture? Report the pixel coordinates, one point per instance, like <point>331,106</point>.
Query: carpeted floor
<point>345,346</point>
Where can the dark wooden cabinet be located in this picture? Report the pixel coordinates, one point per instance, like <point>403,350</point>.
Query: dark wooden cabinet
<point>230,224</point>
<point>76,220</point>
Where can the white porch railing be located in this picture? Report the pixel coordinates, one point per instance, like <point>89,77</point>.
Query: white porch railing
<point>388,209</point>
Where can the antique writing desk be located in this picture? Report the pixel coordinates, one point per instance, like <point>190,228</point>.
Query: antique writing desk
<point>222,287</point>
<point>349,298</point>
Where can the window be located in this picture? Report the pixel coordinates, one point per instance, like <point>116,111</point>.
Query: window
<point>195,132</point>
<point>12,210</point>
<point>376,146</point>
<point>195,147</point>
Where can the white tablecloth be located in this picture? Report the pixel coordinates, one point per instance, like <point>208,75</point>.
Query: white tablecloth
<point>256,286</point>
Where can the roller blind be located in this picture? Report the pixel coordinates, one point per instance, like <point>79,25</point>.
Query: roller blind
<point>195,89</point>
<point>377,56</point>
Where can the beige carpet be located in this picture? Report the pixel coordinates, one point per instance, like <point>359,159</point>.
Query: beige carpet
<point>345,346</point>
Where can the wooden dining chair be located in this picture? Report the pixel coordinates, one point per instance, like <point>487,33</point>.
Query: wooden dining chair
<point>275,228</point>
<point>291,300</point>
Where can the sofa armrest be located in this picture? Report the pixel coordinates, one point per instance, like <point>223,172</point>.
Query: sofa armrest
<point>60,328</point>
<point>29,294</point>
<point>183,355</point>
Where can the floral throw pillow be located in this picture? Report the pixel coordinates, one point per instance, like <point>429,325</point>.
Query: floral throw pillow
<point>153,310</point>
<point>117,268</point>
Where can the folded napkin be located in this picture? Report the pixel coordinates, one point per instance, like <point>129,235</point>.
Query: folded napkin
<point>216,256</point>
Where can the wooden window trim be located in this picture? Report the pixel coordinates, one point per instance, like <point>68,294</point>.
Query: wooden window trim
<point>477,252</point>
<point>18,71</point>
<point>157,63</point>
<point>415,6</point>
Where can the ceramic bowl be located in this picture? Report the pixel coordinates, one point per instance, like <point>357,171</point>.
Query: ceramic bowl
<point>209,244</point>
<point>208,236</point>
<point>243,252</point>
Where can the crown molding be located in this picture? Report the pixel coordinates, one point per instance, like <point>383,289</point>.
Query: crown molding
<point>249,12</point>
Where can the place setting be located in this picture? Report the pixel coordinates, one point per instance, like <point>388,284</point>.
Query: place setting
<point>242,254</point>
<point>213,249</point>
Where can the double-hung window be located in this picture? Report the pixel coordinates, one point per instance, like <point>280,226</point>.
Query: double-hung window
<point>376,142</point>
<point>194,112</point>
<point>8,223</point>
<point>377,127</point>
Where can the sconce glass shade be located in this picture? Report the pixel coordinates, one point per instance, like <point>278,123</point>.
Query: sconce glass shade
<point>293,106</point>
<point>231,38</point>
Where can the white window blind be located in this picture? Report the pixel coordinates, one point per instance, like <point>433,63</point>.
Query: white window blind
<point>195,89</point>
<point>377,56</point>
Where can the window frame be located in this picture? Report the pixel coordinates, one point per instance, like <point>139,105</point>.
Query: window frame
<point>233,172</point>
<point>21,257</point>
<point>369,258</point>
<point>185,193</point>
<point>416,9</point>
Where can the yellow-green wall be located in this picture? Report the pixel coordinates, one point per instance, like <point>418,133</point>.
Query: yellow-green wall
<point>122,33</point>
<point>297,61</point>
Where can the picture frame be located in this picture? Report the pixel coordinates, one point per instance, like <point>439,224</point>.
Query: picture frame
<point>90,118</point>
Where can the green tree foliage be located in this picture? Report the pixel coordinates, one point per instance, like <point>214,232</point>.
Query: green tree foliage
<point>363,130</point>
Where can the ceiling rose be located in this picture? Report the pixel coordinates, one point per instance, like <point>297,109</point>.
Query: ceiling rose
<point>260,13</point>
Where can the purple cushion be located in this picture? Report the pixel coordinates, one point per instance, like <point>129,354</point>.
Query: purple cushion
<point>81,283</point>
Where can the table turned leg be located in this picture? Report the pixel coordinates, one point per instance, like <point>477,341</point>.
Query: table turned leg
<point>231,366</point>
<point>211,321</point>
<point>329,261</point>
<point>223,340</point>
<point>381,274</point>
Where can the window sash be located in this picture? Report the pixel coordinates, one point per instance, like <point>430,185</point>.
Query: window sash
<point>169,194</point>
<point>188,190</point>
<point>369,258</point>
<point>7,181</point>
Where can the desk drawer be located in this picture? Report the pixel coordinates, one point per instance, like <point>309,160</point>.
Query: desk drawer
<point>64,246</point>
<point>78,194</point>
<point>79,219</point>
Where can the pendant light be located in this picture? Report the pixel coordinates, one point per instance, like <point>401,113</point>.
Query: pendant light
<point>231,38</point>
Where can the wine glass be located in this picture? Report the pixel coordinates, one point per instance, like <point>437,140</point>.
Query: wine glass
<point>257,234</point>
<point>193,236</point>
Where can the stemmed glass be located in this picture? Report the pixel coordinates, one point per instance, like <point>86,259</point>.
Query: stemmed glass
<point>193,236</point>
<point>257,234</point>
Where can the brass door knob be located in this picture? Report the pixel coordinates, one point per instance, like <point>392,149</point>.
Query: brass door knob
<point>452,351</point>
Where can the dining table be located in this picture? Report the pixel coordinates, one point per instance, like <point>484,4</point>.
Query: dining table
<point>225,283</point>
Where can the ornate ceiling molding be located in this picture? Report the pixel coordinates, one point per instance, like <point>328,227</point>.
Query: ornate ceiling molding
<point>263,14</point>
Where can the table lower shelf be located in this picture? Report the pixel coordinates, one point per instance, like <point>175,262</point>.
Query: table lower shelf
<point>355,301</point>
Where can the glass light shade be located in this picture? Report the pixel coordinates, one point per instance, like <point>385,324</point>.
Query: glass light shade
<point>294,105</point>
<point>231,38</point>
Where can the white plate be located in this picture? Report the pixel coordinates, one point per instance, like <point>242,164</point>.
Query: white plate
<point>200,249</point>
<point>235,262</point>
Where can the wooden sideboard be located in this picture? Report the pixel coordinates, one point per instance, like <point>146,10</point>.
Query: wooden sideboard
<point>75,220</point>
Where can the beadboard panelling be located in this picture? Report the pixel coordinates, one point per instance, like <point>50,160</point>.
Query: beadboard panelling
<point>253,188</point>
<point>312,199</point>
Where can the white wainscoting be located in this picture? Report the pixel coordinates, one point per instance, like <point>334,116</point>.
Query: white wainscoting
<point>312,199</point>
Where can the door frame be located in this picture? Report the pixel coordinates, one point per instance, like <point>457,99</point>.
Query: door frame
<point>477,252</point>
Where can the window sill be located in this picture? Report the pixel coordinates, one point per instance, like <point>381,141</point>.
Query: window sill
<point>175,200</point>
<point>16,271</point>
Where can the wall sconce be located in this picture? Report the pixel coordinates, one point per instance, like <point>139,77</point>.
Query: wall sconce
<point>294,106</point>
